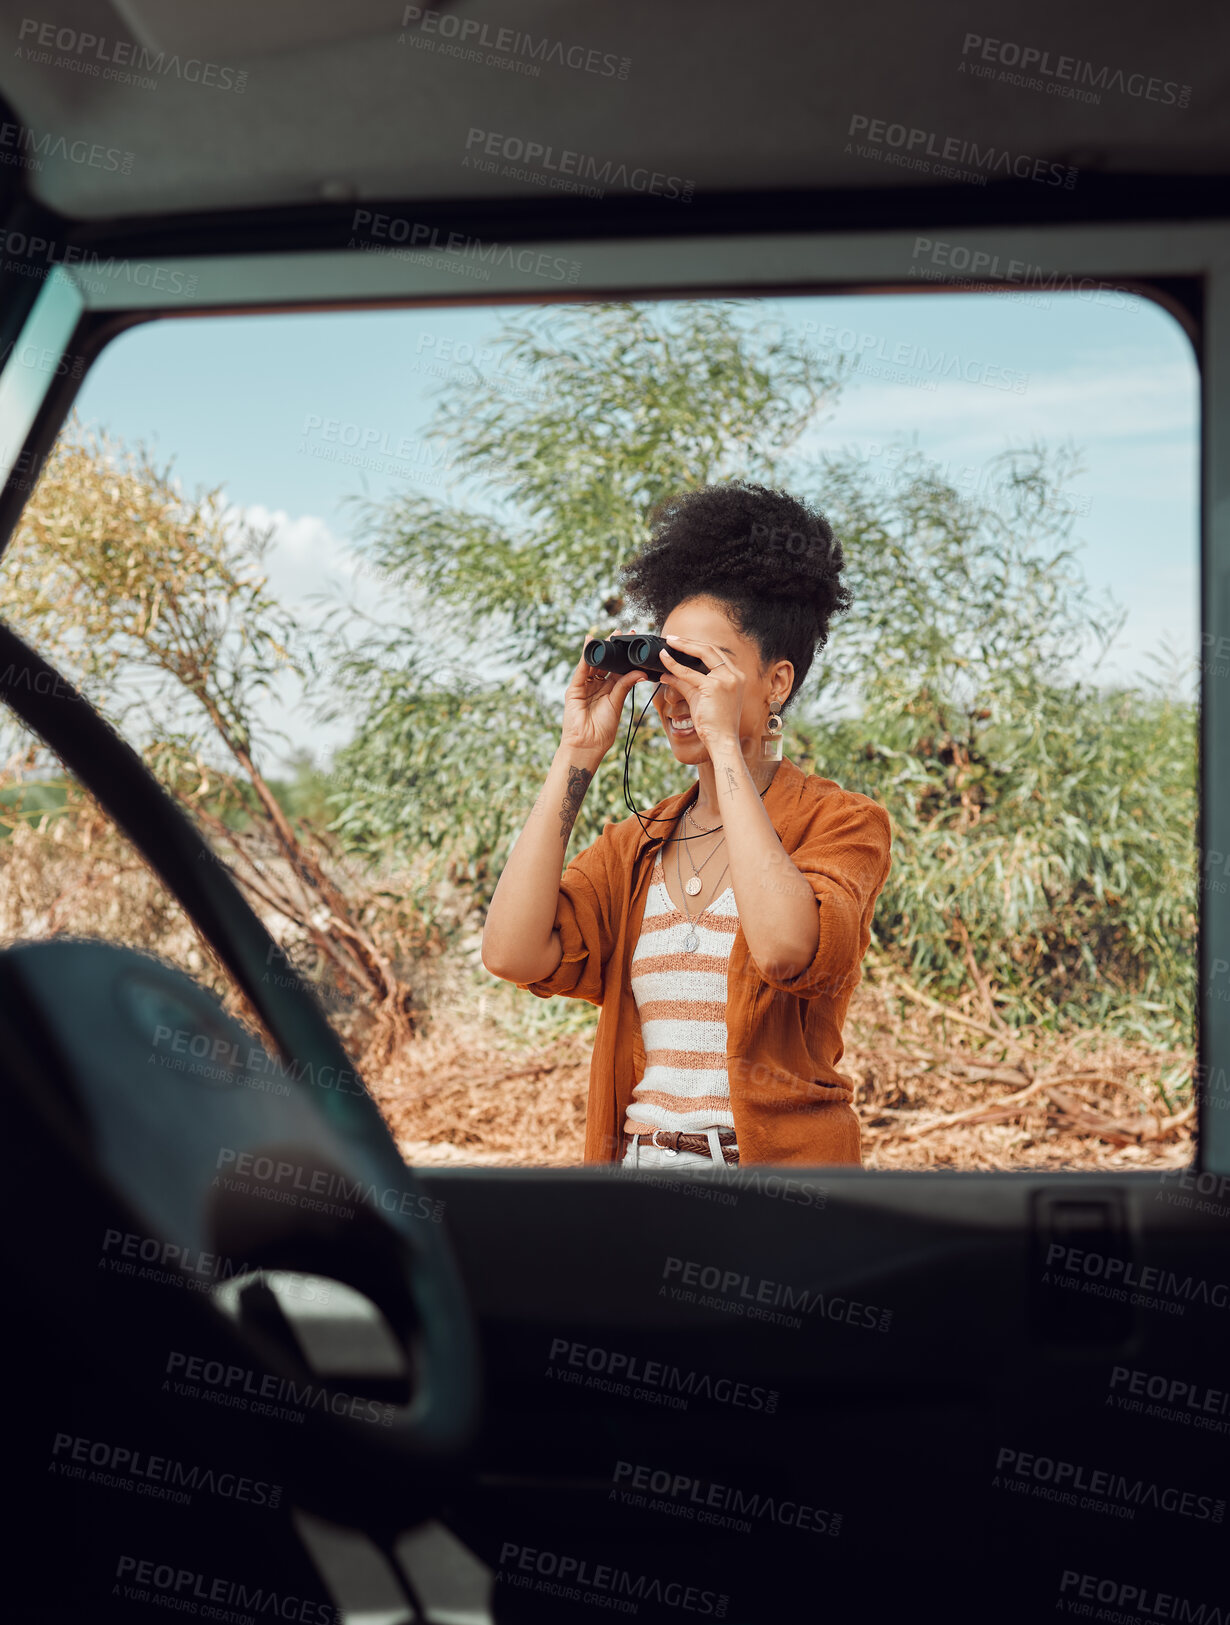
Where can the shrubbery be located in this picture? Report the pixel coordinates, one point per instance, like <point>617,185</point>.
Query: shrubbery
<point>1044,824</point>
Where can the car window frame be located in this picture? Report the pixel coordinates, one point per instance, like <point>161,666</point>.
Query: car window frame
<point>1183,268</point>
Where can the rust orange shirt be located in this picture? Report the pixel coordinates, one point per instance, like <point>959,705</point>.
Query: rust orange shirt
<point>783,1037</point>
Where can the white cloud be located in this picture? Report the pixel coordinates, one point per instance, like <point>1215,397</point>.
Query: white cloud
<point>304,557</point>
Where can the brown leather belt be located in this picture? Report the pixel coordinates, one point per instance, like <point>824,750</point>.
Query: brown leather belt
<point>672,1140</point>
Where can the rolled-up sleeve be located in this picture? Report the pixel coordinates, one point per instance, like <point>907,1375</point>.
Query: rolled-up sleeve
<point>583,916</point>
<point>845,854</point>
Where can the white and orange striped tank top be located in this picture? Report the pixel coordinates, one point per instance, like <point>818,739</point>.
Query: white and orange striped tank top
<point>681,997</point>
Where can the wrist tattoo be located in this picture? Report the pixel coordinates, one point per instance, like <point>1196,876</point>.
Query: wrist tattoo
<point>574,795</point>
<point>732,779</point>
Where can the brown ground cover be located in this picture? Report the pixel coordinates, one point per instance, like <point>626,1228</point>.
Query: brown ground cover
<point>494,1076</point>
<point>935,1088</point>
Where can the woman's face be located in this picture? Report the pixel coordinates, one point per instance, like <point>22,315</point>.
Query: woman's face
<point>706,620</point>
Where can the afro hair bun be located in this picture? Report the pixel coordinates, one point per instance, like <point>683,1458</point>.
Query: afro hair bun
<point>772,561</point>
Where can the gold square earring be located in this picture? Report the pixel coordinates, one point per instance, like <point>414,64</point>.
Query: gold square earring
<point>771,739</point>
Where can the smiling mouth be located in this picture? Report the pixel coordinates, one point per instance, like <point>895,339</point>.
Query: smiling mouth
<point>682,725</point>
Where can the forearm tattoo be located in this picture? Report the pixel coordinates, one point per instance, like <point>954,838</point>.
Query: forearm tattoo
<point>732,779</point>
<point>574,795</point>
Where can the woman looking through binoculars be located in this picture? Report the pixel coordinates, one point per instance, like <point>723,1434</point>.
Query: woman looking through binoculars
<point>721,931</point>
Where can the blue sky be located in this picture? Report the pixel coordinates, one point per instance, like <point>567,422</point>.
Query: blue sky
<point>265,406</point>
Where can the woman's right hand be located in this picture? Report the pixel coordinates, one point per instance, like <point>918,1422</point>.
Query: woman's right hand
<point>593,704</point>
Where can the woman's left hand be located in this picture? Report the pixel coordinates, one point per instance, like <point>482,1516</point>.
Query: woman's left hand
<point>715,697</point>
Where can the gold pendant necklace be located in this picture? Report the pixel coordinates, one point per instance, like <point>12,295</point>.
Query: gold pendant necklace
<point>694,884</point>
<point>691,940</point>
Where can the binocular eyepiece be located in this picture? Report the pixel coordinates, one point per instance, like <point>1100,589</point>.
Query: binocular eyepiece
<point>636,652</point>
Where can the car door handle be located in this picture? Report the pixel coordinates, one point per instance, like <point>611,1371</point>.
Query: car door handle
<point>1080,1262</point>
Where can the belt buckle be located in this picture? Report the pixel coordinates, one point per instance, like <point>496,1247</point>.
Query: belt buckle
<point>664,1149</point>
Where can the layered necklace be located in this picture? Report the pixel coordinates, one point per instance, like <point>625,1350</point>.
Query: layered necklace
<point>691,939</point>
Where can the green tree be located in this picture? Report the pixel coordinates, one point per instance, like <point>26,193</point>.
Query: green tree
<point>157,604</point>
<point>1043,824</point>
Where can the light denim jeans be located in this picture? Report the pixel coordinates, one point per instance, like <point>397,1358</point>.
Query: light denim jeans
<point>649,1158</point>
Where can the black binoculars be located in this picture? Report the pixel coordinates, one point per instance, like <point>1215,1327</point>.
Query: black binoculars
<point>636,652</point>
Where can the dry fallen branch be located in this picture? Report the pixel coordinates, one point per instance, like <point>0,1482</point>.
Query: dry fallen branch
<point>976,1072</point>
<point>980,981</point>
<point>1000,1109</point>
<point>1087,1120</point>
<point>898,984</point>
